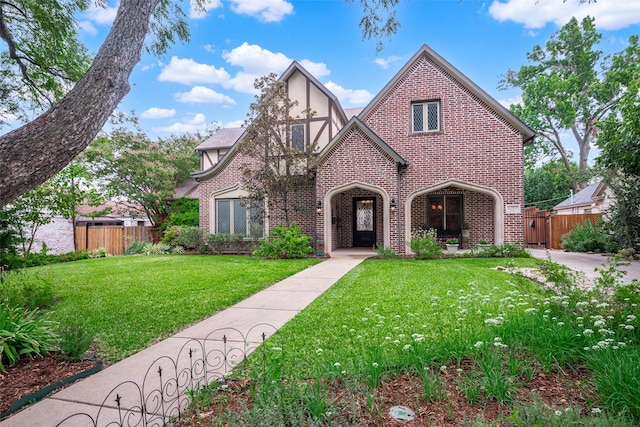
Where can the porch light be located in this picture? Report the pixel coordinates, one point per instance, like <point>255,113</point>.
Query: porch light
<point>393,205</point>
<point>319,207</point>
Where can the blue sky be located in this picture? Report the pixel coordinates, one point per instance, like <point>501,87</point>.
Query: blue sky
<point>209,82</point>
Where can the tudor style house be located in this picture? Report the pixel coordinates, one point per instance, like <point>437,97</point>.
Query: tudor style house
<point>431,150</point>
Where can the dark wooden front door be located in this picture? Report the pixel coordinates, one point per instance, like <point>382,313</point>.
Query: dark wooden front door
<point>364,222</point>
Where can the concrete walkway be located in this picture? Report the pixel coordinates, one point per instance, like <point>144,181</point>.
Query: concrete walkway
<point>272,307</point>
<point>586,263</point>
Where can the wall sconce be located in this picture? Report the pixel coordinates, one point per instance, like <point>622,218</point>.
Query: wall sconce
<point>319,207</point>
<point>393,205</point>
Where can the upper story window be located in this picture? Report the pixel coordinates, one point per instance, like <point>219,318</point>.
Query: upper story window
<point>297,137</point>
<point>425,116</point>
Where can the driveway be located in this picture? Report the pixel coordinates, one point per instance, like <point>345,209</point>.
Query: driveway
<point>586,263</point>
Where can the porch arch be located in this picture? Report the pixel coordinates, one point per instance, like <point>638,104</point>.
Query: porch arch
<point>326,218</point>
<point>498,206</point>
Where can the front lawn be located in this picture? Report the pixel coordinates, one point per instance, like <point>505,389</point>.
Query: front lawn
<point>129,302</point>
<point>457,340</point>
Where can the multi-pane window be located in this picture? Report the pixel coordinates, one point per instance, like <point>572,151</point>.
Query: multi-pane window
<point>297,137</point>
<point>233,217</point>
<point>425,116</point>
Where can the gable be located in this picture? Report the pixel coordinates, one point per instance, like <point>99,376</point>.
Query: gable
<point>428,76</point>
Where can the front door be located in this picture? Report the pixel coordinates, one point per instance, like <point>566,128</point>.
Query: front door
<point>364,222</point>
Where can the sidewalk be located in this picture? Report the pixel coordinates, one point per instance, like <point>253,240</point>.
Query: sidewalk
<point>270,309</point>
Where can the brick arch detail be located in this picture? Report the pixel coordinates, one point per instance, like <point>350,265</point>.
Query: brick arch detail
<point>498,209</point>
<point>386,234</point>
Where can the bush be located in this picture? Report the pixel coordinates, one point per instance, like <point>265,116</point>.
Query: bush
<point>75,340</point>
<point>99,253</point>
<point>24,333</point>
<point>424,244</point>
<point>27,289</point>
<point>219,243</point>
<point>587,237</point>
<point>156,248</point>
<point>284,242</point>
<point>187,237</point>
<point>384,252</point>
<point>135,248</point>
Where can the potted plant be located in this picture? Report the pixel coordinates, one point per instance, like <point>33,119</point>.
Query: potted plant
<point>483,244</point>
<point>452,246</point>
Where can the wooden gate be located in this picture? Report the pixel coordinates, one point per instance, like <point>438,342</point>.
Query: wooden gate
<point>536,228</point>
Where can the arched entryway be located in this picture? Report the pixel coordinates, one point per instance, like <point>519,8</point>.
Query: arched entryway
<point>355,215</point>
<point>449,205</point>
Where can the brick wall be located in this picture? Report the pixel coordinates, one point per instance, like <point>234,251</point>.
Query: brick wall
<point>475,145</point>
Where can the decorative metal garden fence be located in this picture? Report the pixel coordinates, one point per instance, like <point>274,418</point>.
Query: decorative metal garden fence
<point>164,391</point>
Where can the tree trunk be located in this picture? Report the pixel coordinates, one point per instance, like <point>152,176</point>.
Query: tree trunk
<point>38,150</point>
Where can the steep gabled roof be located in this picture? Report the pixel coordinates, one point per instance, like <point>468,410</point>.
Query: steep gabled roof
<point>295,66</point>
<point>355,122</point>
<point>526,131</point>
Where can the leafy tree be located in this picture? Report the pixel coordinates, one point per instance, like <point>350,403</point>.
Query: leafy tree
<point>568,87</point>
<point>547,185</point>
<point>619,144</point>
<point>46,30</point>
<point>143,172</point>
<point>40,34</point>
<point>183,212</point>
<point>281,165</point>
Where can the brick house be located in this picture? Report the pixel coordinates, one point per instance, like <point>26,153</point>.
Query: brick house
<point>432,149</point>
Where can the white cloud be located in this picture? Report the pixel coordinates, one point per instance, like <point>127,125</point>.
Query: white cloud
<point>609,14</point>
<point>385,62</point>
<point>197,123</point>
<point>263,10</point>
<point>317,69</point>
<point>209,5</point>
<point>352,96</point>
<point>102,15</point>
<point>87,27</point>
<point>234,124</point>
<point>203,95</point>
<point>158,113</point>
<point>256,61</point>
<point>188,71</point>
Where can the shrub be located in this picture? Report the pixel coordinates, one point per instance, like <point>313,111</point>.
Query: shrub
<point>135,248</point>
<point>156,248</point>
<point>586,237</point>
<point>384,252</point>
<point>284,242</point>
<point>424,244</point>
<point>99,253</point>
<point>24,333</point>
<point>27,289</point>
<point>75,340</point>
<point>219,243</point>
<point>187,237</point>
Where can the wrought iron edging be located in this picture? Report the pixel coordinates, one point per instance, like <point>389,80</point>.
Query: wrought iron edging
<point>163,393</point>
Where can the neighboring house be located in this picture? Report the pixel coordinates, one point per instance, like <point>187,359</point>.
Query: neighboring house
<point>432,149</point>
<point>119,214</point>
<point>595,198</point>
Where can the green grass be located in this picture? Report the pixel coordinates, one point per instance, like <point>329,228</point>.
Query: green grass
<point>391,316</point>
<point>130,302</point>
<point>382,306</point>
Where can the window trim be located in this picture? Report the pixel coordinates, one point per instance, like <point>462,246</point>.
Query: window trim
<point>425,116</point>
<point>249,223</point>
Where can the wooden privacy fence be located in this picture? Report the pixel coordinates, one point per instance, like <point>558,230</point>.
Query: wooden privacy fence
<point>542,229</point>
<point>115,238</point>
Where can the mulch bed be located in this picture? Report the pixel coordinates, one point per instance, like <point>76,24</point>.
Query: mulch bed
<point>30,375</point>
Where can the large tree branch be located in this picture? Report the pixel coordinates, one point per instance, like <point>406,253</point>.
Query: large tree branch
<point>36,151</point>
